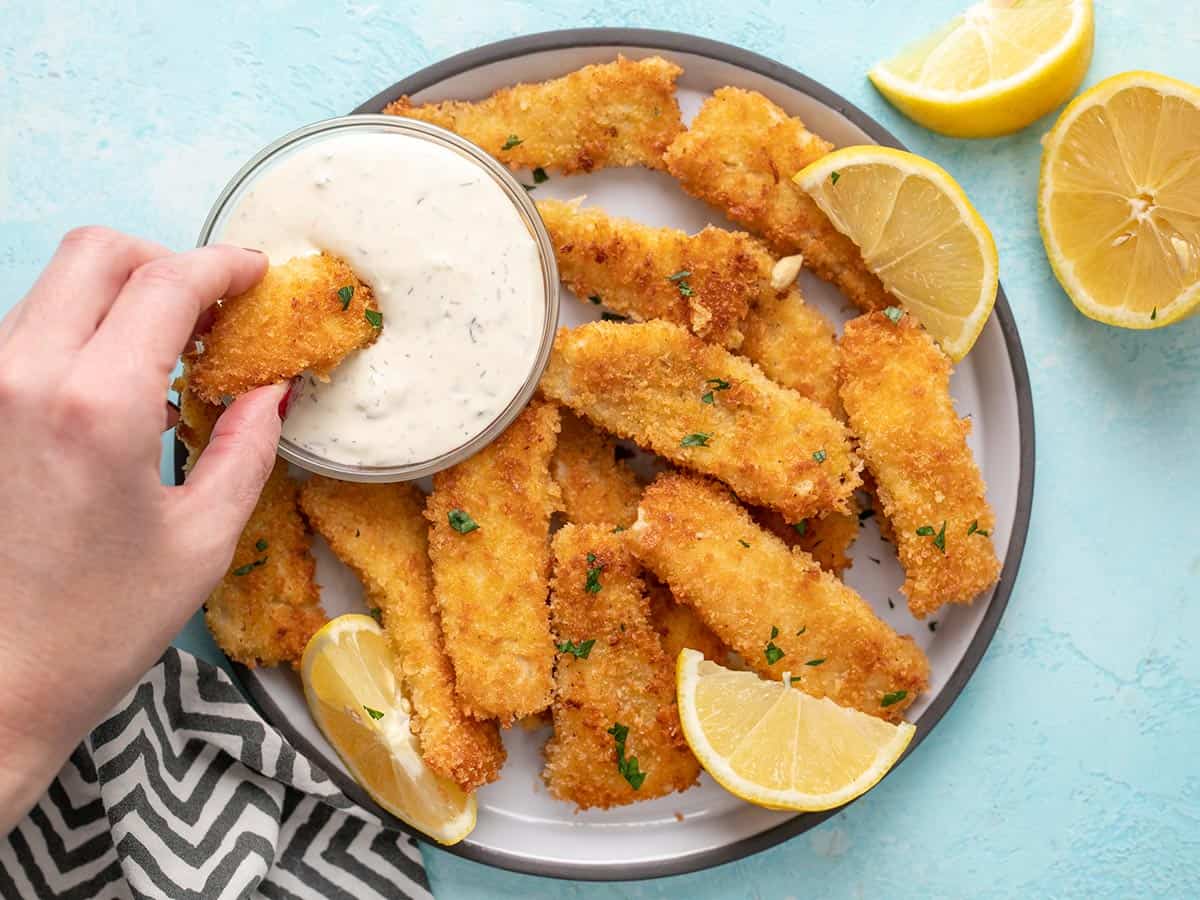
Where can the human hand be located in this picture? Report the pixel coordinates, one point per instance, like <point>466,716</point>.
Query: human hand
<point>101,564</point>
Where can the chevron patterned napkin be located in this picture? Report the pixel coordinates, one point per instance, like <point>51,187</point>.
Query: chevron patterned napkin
<point>184,791</point>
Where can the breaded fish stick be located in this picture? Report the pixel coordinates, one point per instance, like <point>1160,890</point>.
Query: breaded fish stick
<point>740,154</point>
<point>306,314</point>
<point>703,282</point>
<point>825,538</point>
<point>896,389</point>
<point>489,544</point>
<point>379,531</point>
<point>678,626</point>
<point>268,605</point>
<point>773,606</point>
<point>617,737</point>
<point>704,408</point>
<point>596,487</point>
<point>197,418</point>
<point>622,113</point>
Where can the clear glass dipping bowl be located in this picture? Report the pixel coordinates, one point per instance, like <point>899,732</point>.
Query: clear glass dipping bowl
<point>228,200</point>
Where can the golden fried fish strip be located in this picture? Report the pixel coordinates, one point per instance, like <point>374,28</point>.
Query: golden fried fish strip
<point>491,582</point>
<point>268,605</point>
<point>623,681</point>
<point>703,282</point>
<point>678,626</point>
<point>292,321</point>
<point>739,154</point>
<point>197,418</point>
<point>774,606</point>
<point>647,382</point>
<point>896,390</point>
<point>622,113</point>
<point>379,531</point>
<point>596,487</point>
<point>825,538</point>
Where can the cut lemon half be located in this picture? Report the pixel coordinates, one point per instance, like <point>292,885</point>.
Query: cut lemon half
<point>917,231</point>
<point>352,693</point>
<point>773,745</point>
<point>994,69</point>
<point>1119,200</point>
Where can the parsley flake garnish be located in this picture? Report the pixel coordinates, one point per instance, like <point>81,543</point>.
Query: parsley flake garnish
<point>803,628</point>
<point>512,141</point>
<point>774,631</point>
<point>580,650</point>
<point>696,439</point>
<point>345,294</point>
<point>685,289</point>
<point>866,514</point>
<point>540,176</point>
<point>249,567</point>
<point>743,543</point>
<point>819,456</point>
<point>771,652</point>
<point>461,522</point>
<point>593,584</point>
<point>261,544</point>
<point>933,626</point>
<point>679,276</point>
<point>376,614</point>
<point>627,767</point>
<point>375,317</point>
<point>834,176</point>
<point>894,313</point>
<point>618,529</point>
<point>893,697</point>
<point>1154,314</point>
<point>595,298</point>
<point>714,384</point>
<point>794,678</point>
<point>925,531</point>
<point>529,187</point>
<point>940,540</point>
<point>373,713</point>
<point>975,529</point>
<point>815,662</point>
<point>801,527</point>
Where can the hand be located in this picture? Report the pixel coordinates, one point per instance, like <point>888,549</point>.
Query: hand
<point>101,564</point>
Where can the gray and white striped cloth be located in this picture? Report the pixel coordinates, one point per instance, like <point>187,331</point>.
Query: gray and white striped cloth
<point>185,792</point>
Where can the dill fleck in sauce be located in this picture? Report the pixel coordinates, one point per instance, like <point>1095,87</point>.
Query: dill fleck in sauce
<point>456,275</point>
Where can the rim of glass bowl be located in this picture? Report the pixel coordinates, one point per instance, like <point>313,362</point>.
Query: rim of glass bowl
<point>525,207</point>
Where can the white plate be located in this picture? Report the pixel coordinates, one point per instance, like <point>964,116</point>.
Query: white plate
<point>520,826</point>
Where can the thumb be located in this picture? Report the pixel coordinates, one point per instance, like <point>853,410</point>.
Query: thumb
<point>223,486</point>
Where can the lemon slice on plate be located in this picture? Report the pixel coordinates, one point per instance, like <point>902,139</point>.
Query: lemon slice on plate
<point>1119,200</point>
<point>775,746</point>
<point>994,69</point>
<point>352,693</point>
<point>917,231</point>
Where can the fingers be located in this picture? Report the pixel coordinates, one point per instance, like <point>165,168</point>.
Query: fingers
<point>155,312</point>
<point>77,288</point>
<point>224,485</point>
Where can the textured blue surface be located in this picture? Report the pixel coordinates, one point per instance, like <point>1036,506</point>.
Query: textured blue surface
<point>1069,765</point>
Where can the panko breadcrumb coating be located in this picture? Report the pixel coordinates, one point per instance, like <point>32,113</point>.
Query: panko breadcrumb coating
<point>679,627</point>
<point>380,532</point>
<point>775,607</point>
<point>649,382</point>
<point>292,321</point>
<point>896,390</point>
<point>268,605</point>
<point>826,538</point>
<point>622,685</point>
<point>491,581</point>
<point>621,113</point>
<point>739,154</point>
<point>197,418</point>
<point>597,488</point>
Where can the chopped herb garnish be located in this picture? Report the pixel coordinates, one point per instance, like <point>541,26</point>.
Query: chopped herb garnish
<point>1154,314</point>
<point>933,626</point>
<point>866,514</point>
<point>801,527</point>
<point>261,544</point>
<point>595,298</point>
<point>773,653</point>
<point>794,678</point>
<point>373,713</point>
<point>613,317</point>
<point>679,276</point>
<point>774,632</point>
<point>376,614</point>
<point>685,289</point>
<point>743,543</point>
<point>834,176</point>
<point>375,317</point>
<point>940,540</point>
<point>618,528</point>
<point>893,697</point>
<point>891,604</point>
<point>874,559</point>
<point>512,141</point>
<point>580,650</point>
<point>975,529</point>
<point>540,176</point>
<point>627,767</point>
<point>815,662</point>
<point>894,313</point>
<point>529,187</point>
<point>714,384</point>
<point>461,522</point>
<point>803,628</point>
<point>819,456</point>
<point>249,567</point>
<point>593,584</point>
<point>345,294</point>
<point>697,439</point>
<point>925,531</point>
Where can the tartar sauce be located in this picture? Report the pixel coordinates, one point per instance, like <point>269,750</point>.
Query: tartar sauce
<point>456,274</point>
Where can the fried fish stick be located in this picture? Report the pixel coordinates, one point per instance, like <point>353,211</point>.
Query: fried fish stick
<point>621,113</point>
<point>596,487</point>
<point>774,606</point>
<point>268,605</point>
<point>491,581</point>
<point>825,538</point>
<point>293,320</point>
<point>380,532</point>
<point>617,737</point>
<point>703,282</point>
<point>739,154</point>
<point>679,627</point>
<point>197,418</point>
<point>896,390</point>
<point>651,383</point>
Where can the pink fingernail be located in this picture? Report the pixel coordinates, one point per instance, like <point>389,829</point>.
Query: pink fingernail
<point>286,402</point>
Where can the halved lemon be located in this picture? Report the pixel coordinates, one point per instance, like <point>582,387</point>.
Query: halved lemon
<point>917,231</point>
<point>1119,200</point>
<point>775,746</point>
<point>994,69</point>
<point>353,695</point>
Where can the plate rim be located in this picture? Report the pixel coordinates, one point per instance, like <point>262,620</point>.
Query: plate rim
<point>682,42</point>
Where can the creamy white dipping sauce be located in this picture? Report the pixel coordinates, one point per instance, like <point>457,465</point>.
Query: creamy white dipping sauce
<point>456,274</point>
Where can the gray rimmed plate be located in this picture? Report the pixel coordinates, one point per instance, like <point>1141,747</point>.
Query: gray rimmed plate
<point>520,826</point>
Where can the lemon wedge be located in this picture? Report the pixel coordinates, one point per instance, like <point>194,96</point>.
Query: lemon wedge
<point>1119,200</point>
<point>917,231</point>
<point>994,69</point>
<point>352,693</point>
<point>773,745</point>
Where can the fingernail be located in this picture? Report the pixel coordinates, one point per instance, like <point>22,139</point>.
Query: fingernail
<point>286,402</point>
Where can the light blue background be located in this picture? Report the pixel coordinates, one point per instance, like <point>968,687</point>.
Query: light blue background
<point>1070,766</point>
